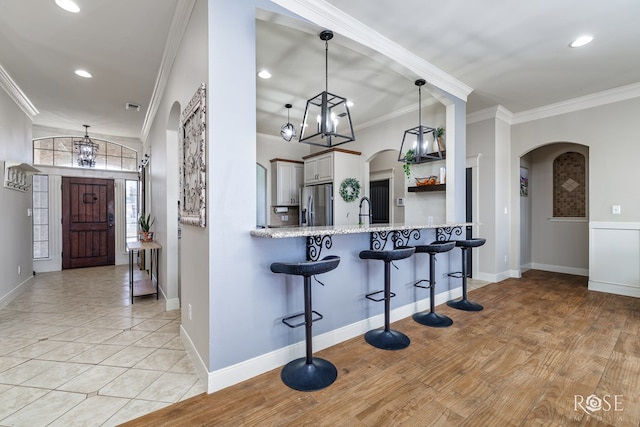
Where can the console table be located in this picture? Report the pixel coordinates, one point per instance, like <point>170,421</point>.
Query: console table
<point>145,285</point>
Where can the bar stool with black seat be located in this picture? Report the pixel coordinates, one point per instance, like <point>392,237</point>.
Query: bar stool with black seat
<point>432,318</point>
<point>307,373</point>
<point>464,303</point>
<point>387,338</point>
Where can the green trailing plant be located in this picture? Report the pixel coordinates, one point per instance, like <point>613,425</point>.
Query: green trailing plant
<point>408,158</point>
<point>146,222</point>
<point>439,132</point>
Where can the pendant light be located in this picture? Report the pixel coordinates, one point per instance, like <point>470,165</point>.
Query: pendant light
<point>327,121</point>
<point>86,150</point>
<point>287,131</point>
<point>415,144</point>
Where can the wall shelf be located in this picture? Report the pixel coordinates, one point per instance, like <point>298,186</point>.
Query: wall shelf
<point>426,188</point>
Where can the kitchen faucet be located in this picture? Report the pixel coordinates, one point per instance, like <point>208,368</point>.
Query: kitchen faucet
<point>360,214</point>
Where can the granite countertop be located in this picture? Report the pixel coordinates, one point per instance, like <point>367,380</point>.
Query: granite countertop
<point>331,230</point>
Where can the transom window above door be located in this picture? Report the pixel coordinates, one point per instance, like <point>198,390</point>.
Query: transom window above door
<point>59,151</point>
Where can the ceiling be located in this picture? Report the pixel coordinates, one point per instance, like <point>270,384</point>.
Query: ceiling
<point>517,57</point>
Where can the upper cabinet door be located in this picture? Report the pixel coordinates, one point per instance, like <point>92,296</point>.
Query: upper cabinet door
<point>318,170</point>
<point>325,168</point>
<point>286,180</point>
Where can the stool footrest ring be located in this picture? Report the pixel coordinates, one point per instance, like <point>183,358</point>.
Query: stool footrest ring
<point>456,274</point>
<point>370,296</point>
<point>287,319</point>
<point>423,287</point>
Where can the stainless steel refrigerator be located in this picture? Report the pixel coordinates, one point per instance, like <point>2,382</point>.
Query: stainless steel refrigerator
<point>316,205</point>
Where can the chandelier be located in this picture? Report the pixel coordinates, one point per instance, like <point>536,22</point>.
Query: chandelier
<point>287,131</point>
<point>327,121</point>
<point>415,146</point>
<point>86,150</point>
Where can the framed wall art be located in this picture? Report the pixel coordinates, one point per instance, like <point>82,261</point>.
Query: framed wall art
<point>524,182</point>
<point>193,170</point>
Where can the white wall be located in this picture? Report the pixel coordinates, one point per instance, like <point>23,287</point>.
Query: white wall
<point>15,225</point>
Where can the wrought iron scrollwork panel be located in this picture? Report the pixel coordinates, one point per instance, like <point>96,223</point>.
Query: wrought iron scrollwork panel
<point>314,246</point>
<point>446,233</point>
<point>402,237</point>
<point>378,240</point>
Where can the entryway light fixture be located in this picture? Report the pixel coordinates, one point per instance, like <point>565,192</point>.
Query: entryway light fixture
<point>86,150</point>
<point>287,130</point>
<point>327,121</point>
<point>415,145</point>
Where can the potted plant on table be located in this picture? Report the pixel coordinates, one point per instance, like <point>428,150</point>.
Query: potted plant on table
<point>145,223</point>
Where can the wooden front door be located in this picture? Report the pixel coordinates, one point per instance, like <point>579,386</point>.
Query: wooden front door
<point>88,223</point>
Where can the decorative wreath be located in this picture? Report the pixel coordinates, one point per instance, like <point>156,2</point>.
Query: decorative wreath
<point>350,189</point>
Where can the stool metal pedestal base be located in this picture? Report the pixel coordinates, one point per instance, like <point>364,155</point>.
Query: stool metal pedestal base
<point>303,376</point>
<point>465,304</point>
<point>387,339</point>
<point>432,319</point>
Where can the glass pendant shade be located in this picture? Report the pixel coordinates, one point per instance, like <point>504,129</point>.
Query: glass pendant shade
<point>86,150</point>
<point>327,121</point>
<point>287,131</point>
<point>416,141</point>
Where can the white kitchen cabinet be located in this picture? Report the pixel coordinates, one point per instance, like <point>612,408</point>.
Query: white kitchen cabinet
<point>318,169</point>
<point>286,178</point>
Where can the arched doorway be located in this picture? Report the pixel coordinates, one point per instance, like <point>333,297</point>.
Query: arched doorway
<point>172,250</point>
<point>554,230</point>
<point>386,187</point>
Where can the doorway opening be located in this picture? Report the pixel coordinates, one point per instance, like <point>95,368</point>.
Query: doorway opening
<point>379,194</point>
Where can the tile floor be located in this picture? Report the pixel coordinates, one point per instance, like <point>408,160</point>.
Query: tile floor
<point>74,351</point>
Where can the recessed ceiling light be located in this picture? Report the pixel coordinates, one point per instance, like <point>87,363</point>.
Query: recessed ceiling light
<point>581,41</point>
<point>264,74</point>
<point>83,73</point>
<point>68,5</point>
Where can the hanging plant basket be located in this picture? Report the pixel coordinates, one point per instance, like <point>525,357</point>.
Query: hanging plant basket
<point>350,189</point>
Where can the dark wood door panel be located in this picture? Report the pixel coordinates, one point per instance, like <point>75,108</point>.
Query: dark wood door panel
<point>88,222</point>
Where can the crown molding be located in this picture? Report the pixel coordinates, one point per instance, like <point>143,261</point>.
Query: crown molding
<point>14,92</point>
<point>328,16</point>
<point>597,99</point>
<point>495,112</point>
<point>184,8</point>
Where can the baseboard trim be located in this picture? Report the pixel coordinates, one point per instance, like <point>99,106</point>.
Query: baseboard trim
<point>172,304</point>
<point>230,375</point>
<point>15,292</point>
<point>561,269</point>
<point>614,288</point>
<point>198,364</point>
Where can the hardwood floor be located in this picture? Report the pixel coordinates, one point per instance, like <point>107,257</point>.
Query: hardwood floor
<point>540,348</point>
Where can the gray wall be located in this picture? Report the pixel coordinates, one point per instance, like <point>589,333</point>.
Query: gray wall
<point>15,225</point>
<point>559,244</point>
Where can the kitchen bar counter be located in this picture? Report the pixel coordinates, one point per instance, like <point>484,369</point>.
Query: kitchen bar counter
<point>286,232</point>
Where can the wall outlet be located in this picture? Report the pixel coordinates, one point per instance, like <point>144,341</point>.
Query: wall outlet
<point>19,269</point>
<point>190,312</point>
<point>285,217</point>
<point>616,209</point>
<point>505,258</point>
